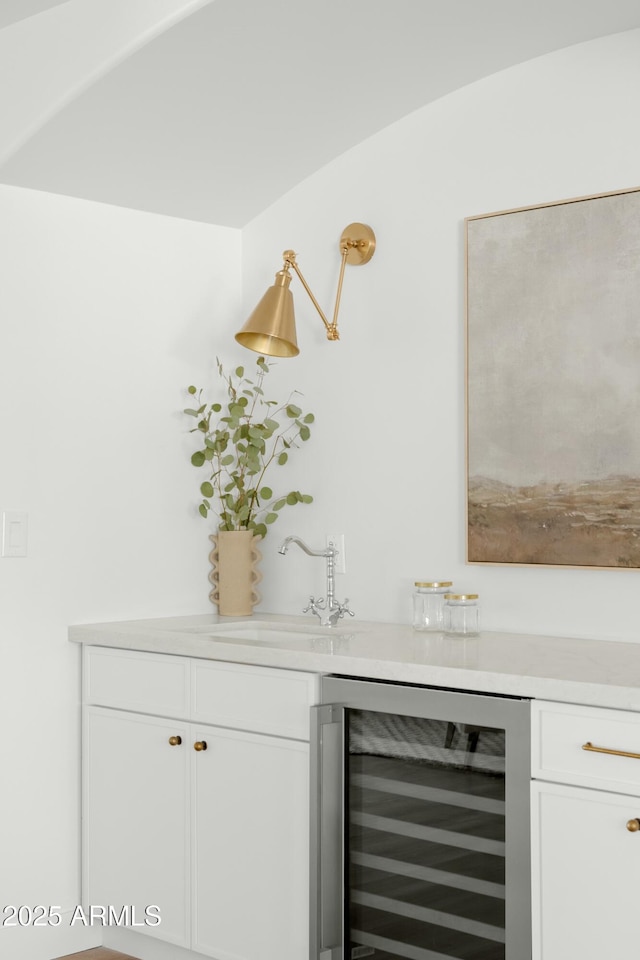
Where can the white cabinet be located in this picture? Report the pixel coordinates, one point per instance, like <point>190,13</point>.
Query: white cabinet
<point>587,877</point>
<point>586,862</point>
<point>136,818</point>
<point>196,799</point>
<point>250,862</point>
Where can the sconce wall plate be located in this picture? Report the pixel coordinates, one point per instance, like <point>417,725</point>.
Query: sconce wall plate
<point>270,329</point>
<point>360,241</point>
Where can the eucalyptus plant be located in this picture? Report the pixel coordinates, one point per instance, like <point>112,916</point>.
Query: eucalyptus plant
<point>242,438</point>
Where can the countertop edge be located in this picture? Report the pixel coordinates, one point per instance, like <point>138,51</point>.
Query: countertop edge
<point>165,636</point>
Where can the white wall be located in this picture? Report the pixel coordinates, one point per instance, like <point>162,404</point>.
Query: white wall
<point>106,316</point>
<point>386,464</point>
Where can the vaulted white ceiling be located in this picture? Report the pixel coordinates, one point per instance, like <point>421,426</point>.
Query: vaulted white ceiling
<point>213,109</point>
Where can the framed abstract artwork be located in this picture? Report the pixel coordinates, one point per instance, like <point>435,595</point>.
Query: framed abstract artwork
<point>553,383</point>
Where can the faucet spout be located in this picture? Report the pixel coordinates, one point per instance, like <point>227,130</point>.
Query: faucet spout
<point>284,546</point>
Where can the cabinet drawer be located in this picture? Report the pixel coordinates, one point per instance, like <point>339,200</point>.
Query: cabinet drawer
<point>261,699</point>
<point>559,732</point>
<point>142,682</point>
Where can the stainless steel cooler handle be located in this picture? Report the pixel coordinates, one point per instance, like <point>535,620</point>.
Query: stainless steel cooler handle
<point>326,912</point>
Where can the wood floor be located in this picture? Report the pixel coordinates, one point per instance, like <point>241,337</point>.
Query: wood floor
<point>98,953</point>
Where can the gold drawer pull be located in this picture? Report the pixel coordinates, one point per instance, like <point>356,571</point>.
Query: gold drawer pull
<point>200,745</point>
<point>175,741</point>
<point>633,825</point>
<point>615,753</point>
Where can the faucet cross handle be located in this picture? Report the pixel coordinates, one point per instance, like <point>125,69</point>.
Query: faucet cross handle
<point>315,606</point>
<point>339,611</point>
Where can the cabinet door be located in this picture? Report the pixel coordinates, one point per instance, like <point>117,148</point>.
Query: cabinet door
<point>586,873</point>
<point>135,820</point>
<point>250,846</point>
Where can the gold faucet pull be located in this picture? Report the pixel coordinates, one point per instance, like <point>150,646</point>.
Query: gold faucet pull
<point>175,741</point>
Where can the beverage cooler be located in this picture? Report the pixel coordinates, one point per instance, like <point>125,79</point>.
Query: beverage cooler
<point>420,824</point>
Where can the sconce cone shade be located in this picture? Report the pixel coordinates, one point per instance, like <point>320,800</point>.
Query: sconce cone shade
<point>271,328</point>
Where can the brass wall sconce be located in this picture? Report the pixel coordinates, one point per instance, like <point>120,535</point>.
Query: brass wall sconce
<point>271,328</point>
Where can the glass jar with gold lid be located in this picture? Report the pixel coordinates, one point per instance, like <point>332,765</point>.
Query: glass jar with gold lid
<point>462,614</point>
<point>428,604</point>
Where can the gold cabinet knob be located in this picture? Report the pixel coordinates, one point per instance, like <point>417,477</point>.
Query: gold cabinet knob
<point>175,741</point>
<point>200,745</point>
<point>633,825</point>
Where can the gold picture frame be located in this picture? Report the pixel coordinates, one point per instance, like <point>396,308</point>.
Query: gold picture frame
<point>553,383</point>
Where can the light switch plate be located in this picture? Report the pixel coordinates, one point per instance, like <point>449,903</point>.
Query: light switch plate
<point>14,533</point>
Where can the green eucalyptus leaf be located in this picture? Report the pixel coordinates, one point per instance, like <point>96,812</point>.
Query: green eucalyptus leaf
<point>240,438</point>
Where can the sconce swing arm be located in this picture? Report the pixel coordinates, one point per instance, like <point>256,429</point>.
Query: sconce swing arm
<point>357,246</point>
<point>331,328</point>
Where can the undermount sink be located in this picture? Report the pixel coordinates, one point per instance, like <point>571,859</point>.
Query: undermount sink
<point>260,631</point>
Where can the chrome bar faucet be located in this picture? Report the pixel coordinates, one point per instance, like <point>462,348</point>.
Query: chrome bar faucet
<point>328,610</point>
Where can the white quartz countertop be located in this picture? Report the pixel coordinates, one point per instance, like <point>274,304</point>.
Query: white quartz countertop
<point>596,672</point>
